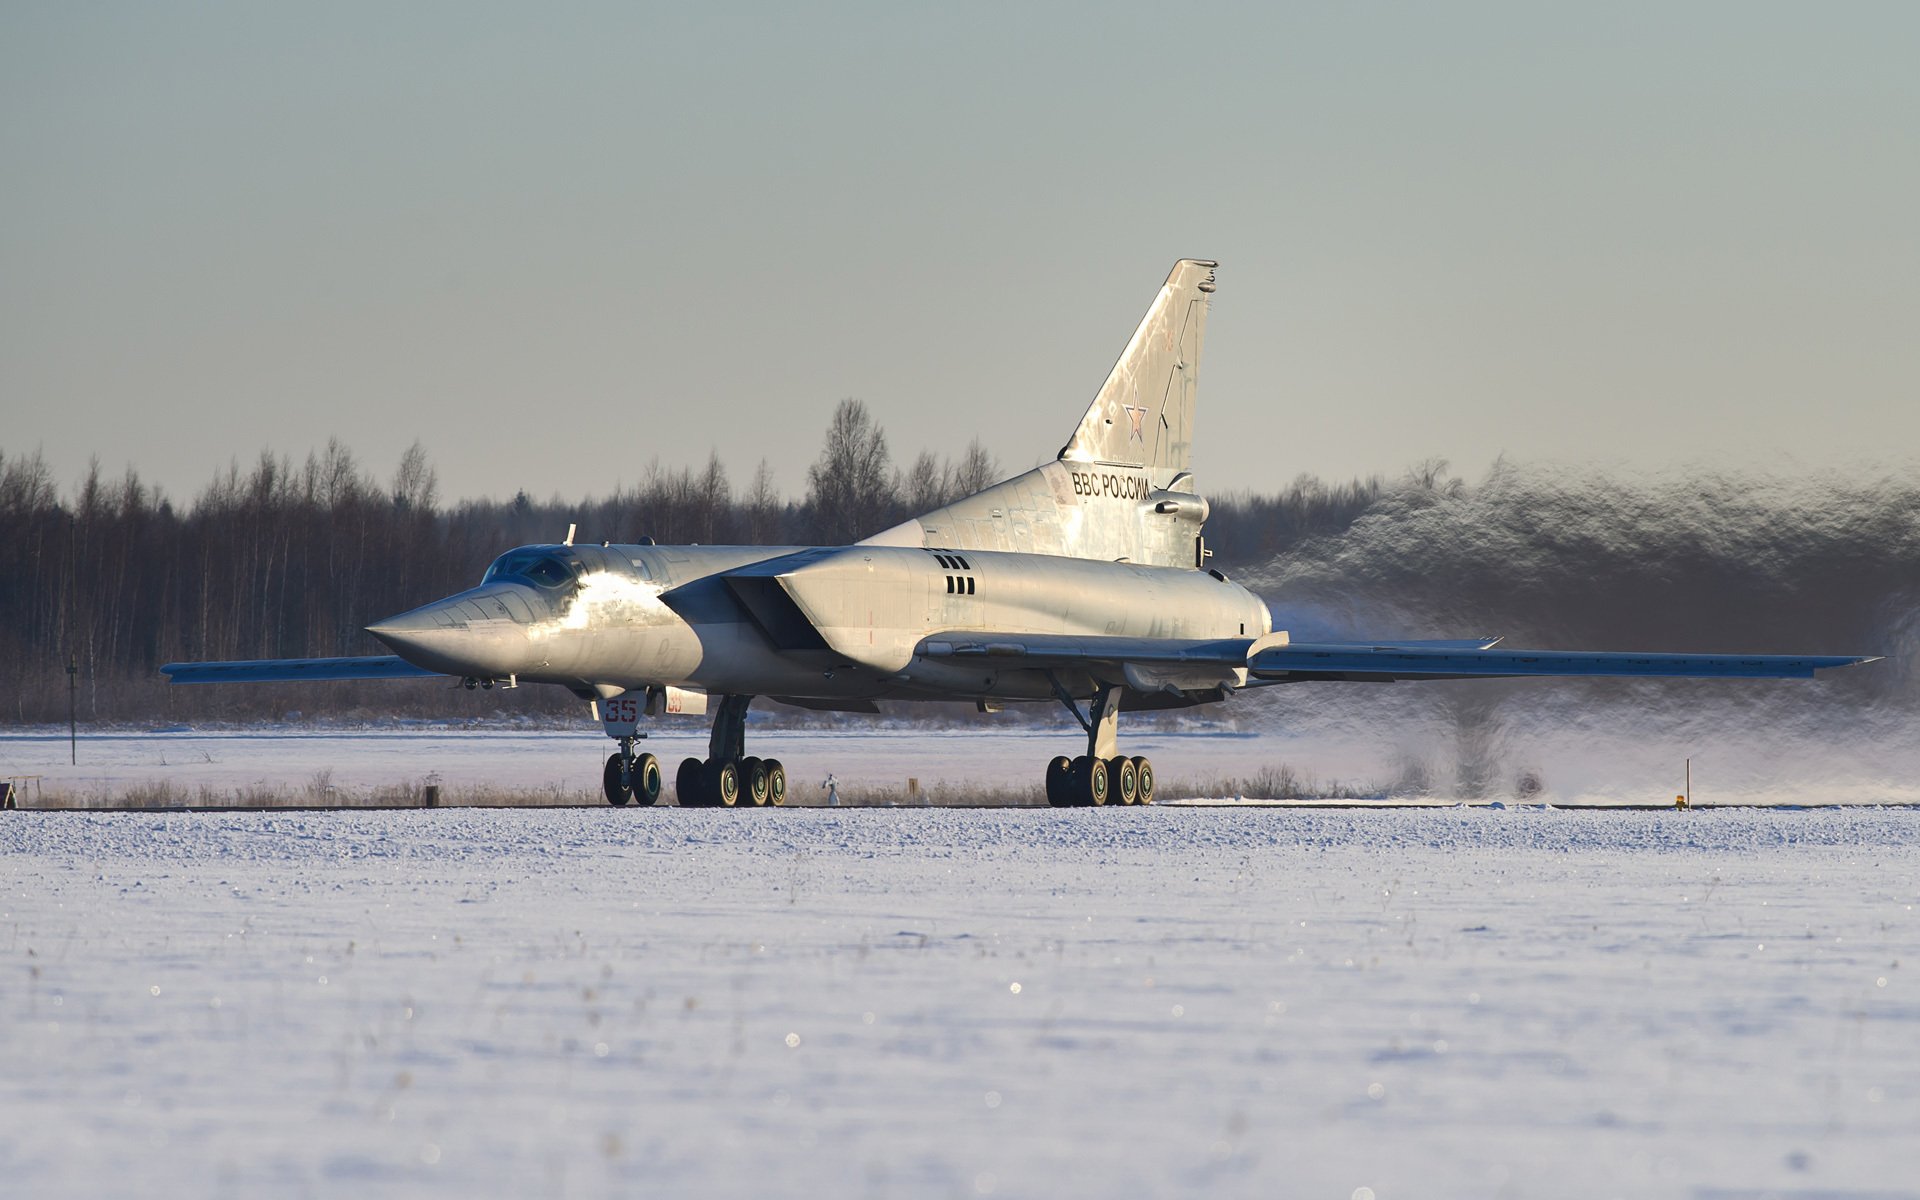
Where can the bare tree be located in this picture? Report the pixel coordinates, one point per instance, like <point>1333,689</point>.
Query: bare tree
<point>849,491</point>
<point>714,498</point>
<point>26,484</point>
<point>762,508</point>
<point>340,479</point>
<point>927,484</point>
<point>978,470</point>
<point>415,484</point>
<point>1429,476</point>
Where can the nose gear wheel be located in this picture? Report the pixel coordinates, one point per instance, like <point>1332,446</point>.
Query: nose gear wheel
<point>629,776</point>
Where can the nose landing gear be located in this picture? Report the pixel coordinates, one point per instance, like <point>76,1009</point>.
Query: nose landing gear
<point>630,776</point>
<point>728,776</point>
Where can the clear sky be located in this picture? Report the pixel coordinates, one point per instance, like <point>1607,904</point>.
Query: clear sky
<point>553,242</point>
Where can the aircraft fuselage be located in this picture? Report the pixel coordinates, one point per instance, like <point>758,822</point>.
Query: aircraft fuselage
<point>823,623</point>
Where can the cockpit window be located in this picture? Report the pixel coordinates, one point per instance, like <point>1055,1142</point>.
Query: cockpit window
<point>542,569</point>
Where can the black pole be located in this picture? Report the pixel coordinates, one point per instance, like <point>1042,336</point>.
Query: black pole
<point>73,668</point>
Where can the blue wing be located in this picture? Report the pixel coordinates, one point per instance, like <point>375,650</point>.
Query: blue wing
<point>296,670</point>
<point>1364,661</point>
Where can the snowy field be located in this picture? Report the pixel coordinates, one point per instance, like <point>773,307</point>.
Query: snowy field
<point>1142,1002</point>
<point>1577,765</point>
<point>569,759</point>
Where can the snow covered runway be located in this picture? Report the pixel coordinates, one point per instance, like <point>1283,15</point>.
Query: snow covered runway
<point>910,1002</point>
<point>328,766</point>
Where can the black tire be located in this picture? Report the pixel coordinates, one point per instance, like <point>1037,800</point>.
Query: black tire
<point>1124,778</point>
<point>1059,791</point>
<point>753,782</point>
<point>1143,781</point>
<point>689,785</point>
<point>1095,786</point>
<point>647,780</point>
<point>776,782</point>
<point>613,781</point>
<point>721,781</point>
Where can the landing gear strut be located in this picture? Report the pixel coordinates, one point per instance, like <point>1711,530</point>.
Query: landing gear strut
<point>729,776</point>
<point>1102,775</point>
<point>630,776</point>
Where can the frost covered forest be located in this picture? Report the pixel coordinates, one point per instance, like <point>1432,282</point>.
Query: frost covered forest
<point>289,558</point>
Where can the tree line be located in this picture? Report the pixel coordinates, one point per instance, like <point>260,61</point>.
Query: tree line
<point>290,559</point>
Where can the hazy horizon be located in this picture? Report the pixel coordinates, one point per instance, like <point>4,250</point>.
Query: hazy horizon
<point>553,246</point>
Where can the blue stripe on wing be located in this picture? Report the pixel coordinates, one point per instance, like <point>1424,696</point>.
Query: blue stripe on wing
<point>296,670</point>
<point>1344,660</point>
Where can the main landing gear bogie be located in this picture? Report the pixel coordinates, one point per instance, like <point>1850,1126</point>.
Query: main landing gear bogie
<point>1101,776</point>
<point>730,777</point>
<point>731,782</point>
<point>1087,782</point>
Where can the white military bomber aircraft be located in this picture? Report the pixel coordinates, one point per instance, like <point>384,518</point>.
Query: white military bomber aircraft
<point>1083,581</point>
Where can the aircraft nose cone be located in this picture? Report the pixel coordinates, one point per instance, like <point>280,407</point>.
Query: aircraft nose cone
<point>446,637</point>
<point>423,629</point>
<point>480,633</point>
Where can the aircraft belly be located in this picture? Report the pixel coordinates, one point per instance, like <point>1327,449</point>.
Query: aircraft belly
<point>926,679</point>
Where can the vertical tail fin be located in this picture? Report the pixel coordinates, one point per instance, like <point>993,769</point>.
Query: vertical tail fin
<point>1143,416</point>
<point>1122,488</point>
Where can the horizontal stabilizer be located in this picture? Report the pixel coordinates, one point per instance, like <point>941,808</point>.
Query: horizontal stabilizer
<point>296,670</point>
<point>1367,661</point>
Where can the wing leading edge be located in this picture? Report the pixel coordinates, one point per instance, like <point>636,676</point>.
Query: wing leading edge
<point>1271,659</point>
<point>296,670</point>
<point>1359,661</point>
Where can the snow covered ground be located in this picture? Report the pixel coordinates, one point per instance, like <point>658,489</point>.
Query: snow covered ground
<point>569,759</point>
<point>1576,765</point>
<point>907,1002</point>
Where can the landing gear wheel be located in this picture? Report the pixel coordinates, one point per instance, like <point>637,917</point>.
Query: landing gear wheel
<point>1124,778</point>
<point>753,781</point>
<point>614,782</point>
<point>1059,791</point>
<point>722,779</point>
<point>1090,781</point>
<point>688,786</point>
<point>776,781</point>
<point>646,779</point>
<point>1143,772</point>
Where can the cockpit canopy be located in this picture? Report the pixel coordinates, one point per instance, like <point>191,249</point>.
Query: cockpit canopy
<point>534,565</point>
